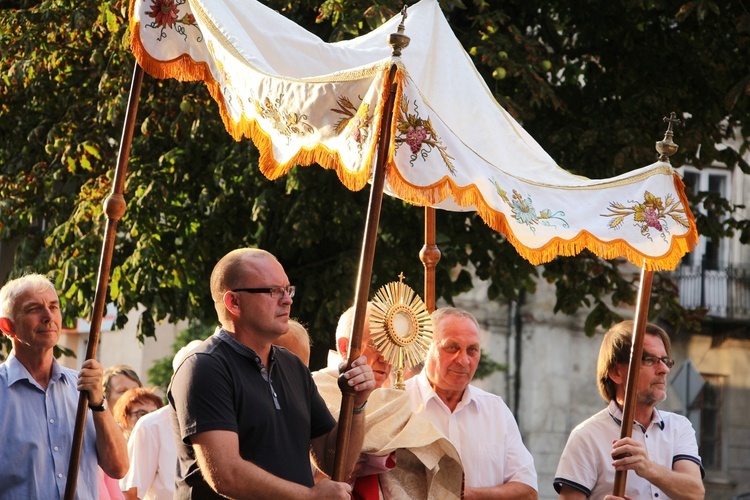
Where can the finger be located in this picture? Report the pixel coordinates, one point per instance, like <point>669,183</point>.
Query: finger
<point>361,375</point>
<point>360,361</point>
<point>352,373</point>
<point>360,381</point>
<point>358,371</point>
<point>91,364</point>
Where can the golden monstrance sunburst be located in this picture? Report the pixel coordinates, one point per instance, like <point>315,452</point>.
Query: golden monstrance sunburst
<point>400,327</point>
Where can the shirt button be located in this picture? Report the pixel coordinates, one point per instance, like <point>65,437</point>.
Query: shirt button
<point>60,476</point>
<point>52,421</point>
<point>56,448</point>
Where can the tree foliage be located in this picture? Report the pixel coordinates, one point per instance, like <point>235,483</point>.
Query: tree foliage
<point>589,80</point>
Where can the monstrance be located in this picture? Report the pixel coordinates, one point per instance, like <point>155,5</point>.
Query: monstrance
<point>400,327</point>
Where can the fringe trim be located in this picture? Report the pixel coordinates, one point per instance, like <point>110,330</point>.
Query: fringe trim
<point>184,68</point>
<point>470,196</point>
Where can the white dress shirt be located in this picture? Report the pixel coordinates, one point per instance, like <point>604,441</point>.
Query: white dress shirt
<point>483,430</point>
<point>153,457</point>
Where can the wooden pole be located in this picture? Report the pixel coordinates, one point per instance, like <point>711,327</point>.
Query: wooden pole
<point>631,386</point>
<point>397,41</point>
<point>430,256</point>
<point>666,148</point>
<point>114,208</point>
<point>363,281</point>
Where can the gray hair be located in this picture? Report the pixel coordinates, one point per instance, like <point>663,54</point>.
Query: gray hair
<point>184,352</point>
<point>13,289</point>
<point>115,370</point>
<point>438,315</point>
<point>346,322</point>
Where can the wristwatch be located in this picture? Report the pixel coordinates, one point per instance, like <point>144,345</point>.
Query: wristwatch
<point>359,410</point>
<point>100,407</point>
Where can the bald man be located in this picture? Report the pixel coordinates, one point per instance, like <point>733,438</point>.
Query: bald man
<point>247,415</point>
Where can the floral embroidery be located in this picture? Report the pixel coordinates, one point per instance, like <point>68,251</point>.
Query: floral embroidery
<point>165,15</point>
<point>524,212</point>
<point>420,136</point>
<point>359,119</point>
<point>652,213</point>
<point>286,123</point>
<point>228,89</point>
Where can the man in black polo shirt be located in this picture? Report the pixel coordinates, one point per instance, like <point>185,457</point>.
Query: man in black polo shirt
<point>246,413</point>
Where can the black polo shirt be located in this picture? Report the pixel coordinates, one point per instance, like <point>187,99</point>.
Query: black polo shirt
<point>224,386</point>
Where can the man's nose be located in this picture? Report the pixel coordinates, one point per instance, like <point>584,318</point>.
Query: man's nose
<point>46,315</point>
<point>462,358</point>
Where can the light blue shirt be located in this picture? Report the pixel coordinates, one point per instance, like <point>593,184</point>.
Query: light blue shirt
<point>36,428</point>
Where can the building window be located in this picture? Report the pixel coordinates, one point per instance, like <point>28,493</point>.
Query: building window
<point>708,254</point>
<point>709,402</point>
<point>705,277</point>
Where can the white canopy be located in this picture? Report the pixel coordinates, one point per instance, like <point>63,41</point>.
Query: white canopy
<point>304,101</point>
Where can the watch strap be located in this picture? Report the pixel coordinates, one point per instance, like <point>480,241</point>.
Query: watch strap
<point>359,410</point>
<point>99,407</point>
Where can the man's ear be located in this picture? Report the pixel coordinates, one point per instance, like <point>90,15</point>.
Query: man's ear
<point>231,303</point>
<point>342,343</point>
<point>618,373</point>
<point>6,326</point>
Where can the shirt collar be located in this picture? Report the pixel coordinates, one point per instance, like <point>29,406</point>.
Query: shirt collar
<point>334,359</point>
<point>17,372</point>
<point>244,350</point>
<point>428,393</point>
<point>616,413</point>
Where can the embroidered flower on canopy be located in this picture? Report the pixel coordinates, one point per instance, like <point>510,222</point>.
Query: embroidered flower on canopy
<point>523,210</point>
<point>651,213</point>
<point>420,136</point>
<point>287,123</point>
<point>359,120</point>
<point>164,12</point>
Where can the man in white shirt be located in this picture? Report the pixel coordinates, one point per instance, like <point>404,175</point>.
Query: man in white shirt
<point>403,455</point>
<point>479,424</point>
<point>661,457</point>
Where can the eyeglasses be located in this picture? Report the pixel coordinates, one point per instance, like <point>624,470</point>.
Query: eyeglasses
<point>276,292</point>
<point>138,413</point>
<point>651,360</point>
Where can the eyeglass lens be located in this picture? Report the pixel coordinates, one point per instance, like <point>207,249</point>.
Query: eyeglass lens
<point>278,292</point>
<point>650,360</point>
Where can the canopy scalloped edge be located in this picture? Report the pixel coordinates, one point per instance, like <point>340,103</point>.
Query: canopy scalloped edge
<point>612,249</point>
<point>457,195</point>
<point>184,68</point>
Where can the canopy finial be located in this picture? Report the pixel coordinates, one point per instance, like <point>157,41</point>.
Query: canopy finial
<point>666,147</point>
<point>398,40</point>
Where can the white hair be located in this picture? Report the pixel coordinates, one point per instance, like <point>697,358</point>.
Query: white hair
<point>13,289</point>
<point>184,352</point>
